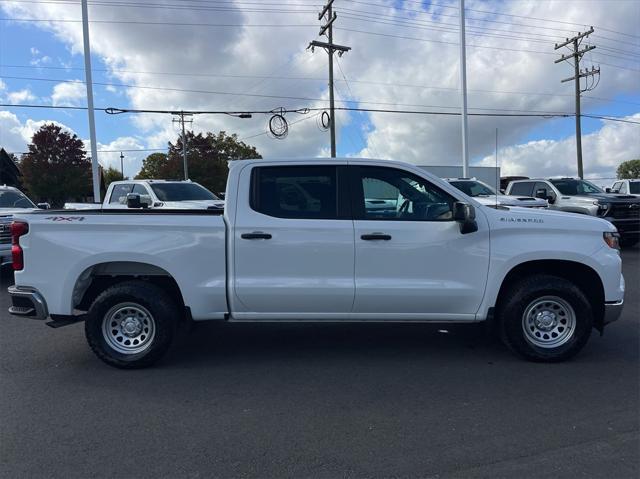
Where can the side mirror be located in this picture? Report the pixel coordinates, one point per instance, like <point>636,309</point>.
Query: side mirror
<point>43,206</point>
<point>543,194</point>
<point>134,201</point>
<point>465,215</point>
<point>607,190</point>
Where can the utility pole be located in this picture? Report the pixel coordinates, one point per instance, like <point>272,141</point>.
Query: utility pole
<point>577,54</point>
<point>463,88</point>
<point>182,121</point>
<point>92,122</point>
<point>122,165</point>
<point>330,48</point>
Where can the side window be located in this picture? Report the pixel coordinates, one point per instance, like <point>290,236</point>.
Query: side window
<point>616,187</point>
<point>304,192</point>
<point>119,191</point>
<point>623,188</point>
<point>393,194</point>
<point>524,188</point>
<point>140,189</point>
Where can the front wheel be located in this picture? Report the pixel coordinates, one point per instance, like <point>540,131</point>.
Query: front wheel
<point>131,324</point>
<point>545,318</point>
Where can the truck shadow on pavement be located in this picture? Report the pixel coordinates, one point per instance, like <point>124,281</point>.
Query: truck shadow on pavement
<point>233,342</point>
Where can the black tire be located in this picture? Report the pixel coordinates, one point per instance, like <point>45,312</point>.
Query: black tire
<point>626,242</point>
<point>528,292</point>
<point>152,303</point>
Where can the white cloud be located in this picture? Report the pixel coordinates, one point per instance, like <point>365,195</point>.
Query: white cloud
<point>380,70</point>
<point>603,150</point>
<point>68,94</point>
<point>109,154</point>
<point>16,135</point>
<point>21,96</point>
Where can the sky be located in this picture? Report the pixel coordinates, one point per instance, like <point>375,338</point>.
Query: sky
<point>233,55</point>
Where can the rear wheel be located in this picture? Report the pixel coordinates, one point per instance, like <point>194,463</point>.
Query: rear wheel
<point>545,318</point>
<point>131,324</point>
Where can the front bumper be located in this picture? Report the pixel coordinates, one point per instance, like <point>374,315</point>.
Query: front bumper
<point>626,227</point>
<point>612,311</point>
<point>27,302</point>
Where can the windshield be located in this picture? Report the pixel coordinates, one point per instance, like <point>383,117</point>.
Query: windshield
<point>575,187</point>
<point>473,188</point>
<point>634,187</point>
<point>14,199</point>
<point>182,192</point>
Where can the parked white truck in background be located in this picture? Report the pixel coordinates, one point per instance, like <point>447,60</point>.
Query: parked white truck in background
<point>483,193</point>
<point>545,278</point>
<point>165,194</point>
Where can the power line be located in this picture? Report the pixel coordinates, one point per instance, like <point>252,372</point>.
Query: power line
<point>274,96</point>
<point>284,78</point>
<point>523,114</point>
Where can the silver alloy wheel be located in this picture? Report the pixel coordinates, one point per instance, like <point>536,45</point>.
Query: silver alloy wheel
<point>128,328</point>
<point>549,322</point>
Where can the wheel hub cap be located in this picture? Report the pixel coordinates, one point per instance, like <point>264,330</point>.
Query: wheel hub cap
<point>128,328</point>
<point>548,322</point>
<point>545,320</point>
<point>131,326</point>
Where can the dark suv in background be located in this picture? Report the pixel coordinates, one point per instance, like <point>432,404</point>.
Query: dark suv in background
<point>580,196</point>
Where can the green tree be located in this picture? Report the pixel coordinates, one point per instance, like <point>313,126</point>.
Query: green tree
<point>629,170</point>
<point>110,175</point>
<point>207,156</point>
<point>56,167</point>
<point>156,166</point>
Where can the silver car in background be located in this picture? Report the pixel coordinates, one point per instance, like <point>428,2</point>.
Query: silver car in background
<point>483,193</point>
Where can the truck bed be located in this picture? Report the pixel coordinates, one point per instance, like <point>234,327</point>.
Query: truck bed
<point>78,245</point>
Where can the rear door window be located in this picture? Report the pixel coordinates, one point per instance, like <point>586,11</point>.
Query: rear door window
<point>120,191</point>
<point>301,192</point>
<point>524,188</point>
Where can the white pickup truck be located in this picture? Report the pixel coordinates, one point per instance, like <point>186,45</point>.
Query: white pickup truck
<point>298,241</point>
<point>165,194</point>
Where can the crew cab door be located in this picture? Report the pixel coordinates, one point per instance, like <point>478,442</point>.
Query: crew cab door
<point>293,246</point>
<point>412,261</point>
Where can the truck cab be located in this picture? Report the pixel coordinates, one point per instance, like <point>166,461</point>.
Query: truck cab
<point>161,194</point>
<point>575,195</point>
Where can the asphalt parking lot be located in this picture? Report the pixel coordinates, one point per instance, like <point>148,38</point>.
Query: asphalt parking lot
<point>321,401</point>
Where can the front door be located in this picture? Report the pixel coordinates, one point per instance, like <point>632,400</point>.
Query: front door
<point>293,244</point>
<point>412,262</point>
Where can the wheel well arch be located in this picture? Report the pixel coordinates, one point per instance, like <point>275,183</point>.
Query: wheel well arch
<point>96,278</point>
<point>583,276</point>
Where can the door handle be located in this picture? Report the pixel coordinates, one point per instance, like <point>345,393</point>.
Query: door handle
<point>376,236</point>
<point>255,235</point>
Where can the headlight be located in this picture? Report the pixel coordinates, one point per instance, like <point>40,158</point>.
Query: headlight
<point>603,208</point>
<point>612,239</point>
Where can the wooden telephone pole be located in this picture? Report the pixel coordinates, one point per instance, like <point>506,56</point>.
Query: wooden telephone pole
<point>330,47</point>
<point>577,54</point>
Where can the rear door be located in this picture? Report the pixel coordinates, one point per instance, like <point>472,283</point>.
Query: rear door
<point>293,247</point>
<point>412,262</point>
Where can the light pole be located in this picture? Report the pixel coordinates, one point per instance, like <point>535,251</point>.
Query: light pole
<point>122,165</point>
